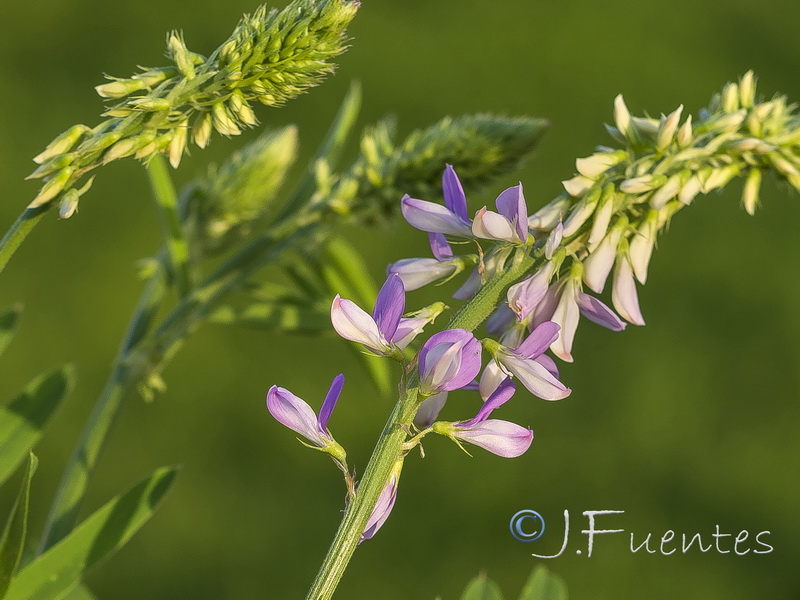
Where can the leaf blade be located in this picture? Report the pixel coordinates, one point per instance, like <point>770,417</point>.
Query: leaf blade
<point>58,571</point>
<point>9,320</point>
<point>544,585</point>
<point>13,541</point>
<point>23,419</point>
<point>482,588</point>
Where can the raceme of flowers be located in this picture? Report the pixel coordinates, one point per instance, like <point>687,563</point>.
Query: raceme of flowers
<point>603,227</point>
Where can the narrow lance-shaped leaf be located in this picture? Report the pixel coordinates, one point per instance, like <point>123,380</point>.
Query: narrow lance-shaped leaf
<point>274,315</point>
<point>24,418</point>
<point>60,569</point>
<point>13,541</point>
<point>543,585</point>
<point>482,588</point>
<point>8,324</point>
<point>345,273</point>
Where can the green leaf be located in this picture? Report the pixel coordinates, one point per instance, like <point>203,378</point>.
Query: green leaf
<point>80,593</point>
<point>8,323</point>
<point>345,272</point>
<point>352,268</point>
<point>58,571</point>
<point>482,588</point>
<point>543,585</point>
<point>24,418</point>
<point>13,541</point>
<point>274,315</point>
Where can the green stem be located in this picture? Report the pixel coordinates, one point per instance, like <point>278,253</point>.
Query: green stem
<point>75,480</point>
<point>167,202</point>
<point>24,224</point>
<point>389,448</point>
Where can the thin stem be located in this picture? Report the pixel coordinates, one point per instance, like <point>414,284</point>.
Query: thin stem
<point>391,443</point>
<point>75,480</point>
<point>18,231</point>
<point>387,451</point>
<point>167,202</point>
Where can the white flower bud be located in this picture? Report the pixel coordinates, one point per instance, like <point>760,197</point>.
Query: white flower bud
<point>747,90</point>
<point>685,133</point>
<point>622,117</point>
<point>730,98</point>
<point>666,192</point>
<point>598,163</point>
<point>577,186</point>
<point>668,127</point>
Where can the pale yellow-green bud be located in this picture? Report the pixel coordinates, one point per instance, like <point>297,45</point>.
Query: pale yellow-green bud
<point>622,117</point>
<point>752,185</point>
<point>666,192</point>
<point>223,120</point>
<point>781,163</point>
<point>52,188</point>
<point>201,133</point>
<point>241,109</point>
<point>120,88</point>
<point>128,146</point>
<point>730,98</point>
<point>602,218</point>
<point>644,127</point>
<point>747,90</point>
<point>178,144</point>
<point>62,143</point>
<point>685,133</point>
<point>69,204</point>
<point>577,186</point>
<point>598,163</point>
<point>719,177</point>
<point>180,55</point>
<point>641,185</point>
<point>155,146</point>
<point>153,77</point>
<point>148,103</point>
<point>668,127</point>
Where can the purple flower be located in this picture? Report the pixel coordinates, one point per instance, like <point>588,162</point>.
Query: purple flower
<point>429,410</point>
<point>521,362</point>
<point>384,505</point>
<point>410,327</point>
<point>448,361</point>
<point>418,272</point>
<point>563,304</point>
<point>297,415</point>
<point>450,219</point>
<point>380,333</point>
<point>502,438</point>
<point>509,223</point>
<point>524,296</point>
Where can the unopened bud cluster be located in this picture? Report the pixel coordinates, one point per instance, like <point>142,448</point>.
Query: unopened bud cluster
<point>271,56</point>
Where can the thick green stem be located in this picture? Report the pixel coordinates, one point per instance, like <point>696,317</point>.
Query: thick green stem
<point>389,448</point>
<point>15,235</point>
<point>167,202</point>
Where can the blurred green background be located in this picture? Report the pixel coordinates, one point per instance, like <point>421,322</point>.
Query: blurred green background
<point>687,423</point>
